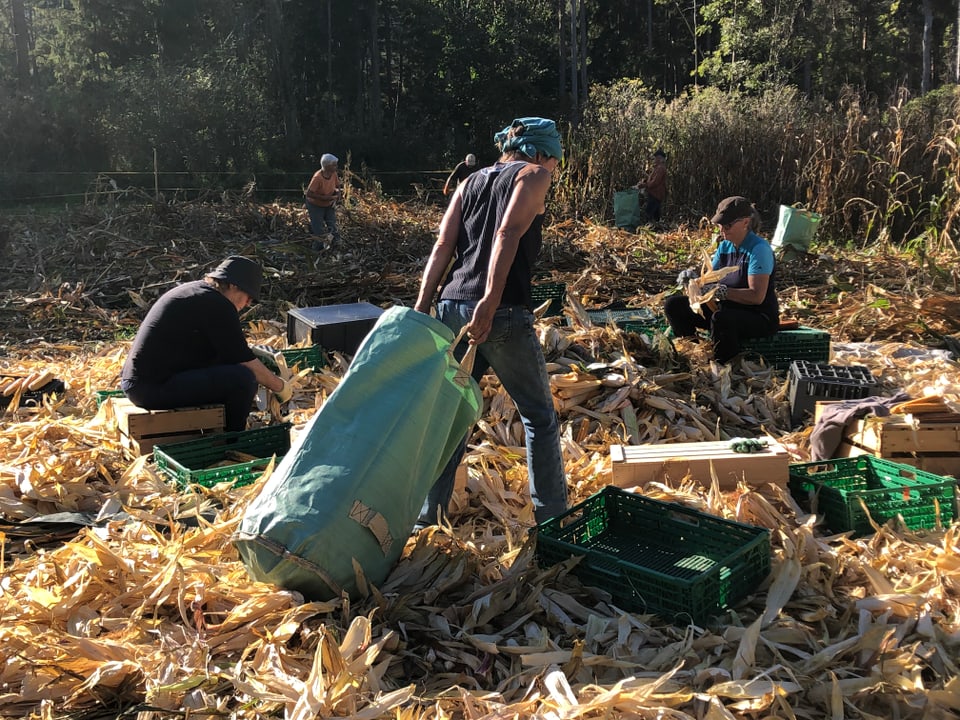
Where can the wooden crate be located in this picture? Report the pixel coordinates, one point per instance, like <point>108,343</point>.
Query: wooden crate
<point>637,465</point>
<point>141,429</point>
<point>930,446</point>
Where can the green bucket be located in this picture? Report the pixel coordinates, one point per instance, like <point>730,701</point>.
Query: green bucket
<point>796,228</point>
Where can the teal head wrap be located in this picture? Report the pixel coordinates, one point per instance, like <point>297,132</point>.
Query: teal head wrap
<point>531,135</point>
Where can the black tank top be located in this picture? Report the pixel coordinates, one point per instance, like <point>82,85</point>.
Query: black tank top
<point>486,194</point>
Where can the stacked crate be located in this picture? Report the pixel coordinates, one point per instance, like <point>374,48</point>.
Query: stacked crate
<point>141,430</point>
<point>812,382</point>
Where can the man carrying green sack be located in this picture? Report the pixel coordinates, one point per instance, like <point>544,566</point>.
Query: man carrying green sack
<point>491,232</point>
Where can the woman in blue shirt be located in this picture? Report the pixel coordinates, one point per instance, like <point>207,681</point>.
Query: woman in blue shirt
<point>747,304</point>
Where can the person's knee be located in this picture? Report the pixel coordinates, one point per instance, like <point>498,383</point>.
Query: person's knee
<point>674,303</point>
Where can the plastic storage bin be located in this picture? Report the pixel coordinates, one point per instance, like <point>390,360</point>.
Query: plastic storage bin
<point>303,358</point>
<point>810,382</point>
<point>332,327</point>
<point>556,293</point>
<point>785,346</point>
<point>638,320</point>
<point>657,557</point>
<point>191,461</point>
<point>103,395</point>
<point>835,489</point>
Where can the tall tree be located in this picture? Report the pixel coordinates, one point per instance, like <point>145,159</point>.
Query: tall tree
<point>22,43</point>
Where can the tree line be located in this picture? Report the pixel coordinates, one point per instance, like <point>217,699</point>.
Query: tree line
<point>209,86</point>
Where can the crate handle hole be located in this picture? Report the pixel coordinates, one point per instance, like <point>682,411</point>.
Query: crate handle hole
<point>681,517</point>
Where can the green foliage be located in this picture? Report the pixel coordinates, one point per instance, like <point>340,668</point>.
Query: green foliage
<point>879,173</point>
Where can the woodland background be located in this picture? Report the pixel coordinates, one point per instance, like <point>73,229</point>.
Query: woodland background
<point>848,107</point>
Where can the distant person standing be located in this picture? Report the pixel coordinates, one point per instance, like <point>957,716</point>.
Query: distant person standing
<point>460,173</point>
<point>321,198</point>
<point>656,186</point>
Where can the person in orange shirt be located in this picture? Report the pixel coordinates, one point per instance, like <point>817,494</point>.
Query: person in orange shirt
<point>321,198</point>
<point>656,186</point>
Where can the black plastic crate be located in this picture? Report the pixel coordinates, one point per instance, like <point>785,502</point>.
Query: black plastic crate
<point>840,488</point>
<point>556,293</point>
<point>810,382</point>
<point>332,327</point>
<point>785,346</point>
<point>204,461</point>
<point>657,557</point>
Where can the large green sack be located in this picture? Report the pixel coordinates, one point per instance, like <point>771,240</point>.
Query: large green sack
<point>626,209</point>
<point>796,228</point>
<point>352,486</point>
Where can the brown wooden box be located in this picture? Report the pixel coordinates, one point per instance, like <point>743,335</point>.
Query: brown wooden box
<point>930,446</point>
<point>141,429</point>
<point>637,465</point>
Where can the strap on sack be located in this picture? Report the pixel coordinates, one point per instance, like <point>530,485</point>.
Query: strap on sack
<point>374,522</point>
<point>466,363</point>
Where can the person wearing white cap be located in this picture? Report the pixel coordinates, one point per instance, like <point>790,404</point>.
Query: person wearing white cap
<point>460,173</point>
<point>190,349</point>
<point>321,198</point>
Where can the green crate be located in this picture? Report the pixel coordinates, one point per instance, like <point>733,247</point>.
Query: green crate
<point>834,488</point>
<point>556,293</point>
<point>658,557</point>
<point>785,346</point>
<point>103,395</point>
<point>189,462</point>
<point>637,320</point>
<point>301,357</point>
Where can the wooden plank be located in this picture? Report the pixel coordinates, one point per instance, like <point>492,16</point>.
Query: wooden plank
<point>138,423</point>
<point>637,465</point>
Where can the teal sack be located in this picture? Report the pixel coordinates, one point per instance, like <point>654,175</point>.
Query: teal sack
<point>626,209</point>
<point>796,228</point>
<point>352,486</point>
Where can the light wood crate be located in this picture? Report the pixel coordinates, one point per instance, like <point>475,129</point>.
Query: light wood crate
<point>637,465</point>
<point>140,430</point>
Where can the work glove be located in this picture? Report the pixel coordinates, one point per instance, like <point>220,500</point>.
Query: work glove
<point>284,393</point>
<point>686,276</point>
<point>719,291</point>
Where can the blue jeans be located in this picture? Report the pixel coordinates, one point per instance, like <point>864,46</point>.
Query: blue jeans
<point>323,220</point>
<point>513,351</point>
<point>233,386</point>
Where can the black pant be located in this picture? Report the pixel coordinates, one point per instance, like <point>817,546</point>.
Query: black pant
<point>653,209</point>
<point>233,386</point>
<point>730,324</point>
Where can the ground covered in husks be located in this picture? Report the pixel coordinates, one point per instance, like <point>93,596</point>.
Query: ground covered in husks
<point>121,594</point>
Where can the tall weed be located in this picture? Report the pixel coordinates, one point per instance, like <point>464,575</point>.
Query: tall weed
<point>875,172</point>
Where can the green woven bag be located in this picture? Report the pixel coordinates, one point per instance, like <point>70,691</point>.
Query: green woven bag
<point>352,485</point>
